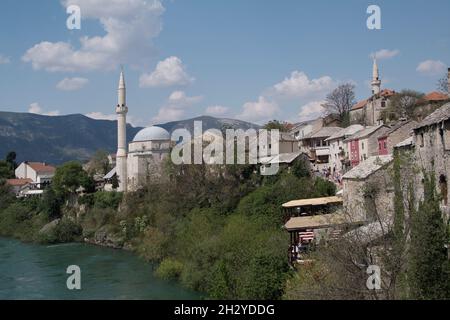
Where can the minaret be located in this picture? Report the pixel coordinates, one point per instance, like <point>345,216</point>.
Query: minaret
<point>121,157</point>
<point>376,82</point>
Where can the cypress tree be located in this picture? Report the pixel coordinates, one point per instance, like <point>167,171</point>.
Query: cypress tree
<point>429,268</point>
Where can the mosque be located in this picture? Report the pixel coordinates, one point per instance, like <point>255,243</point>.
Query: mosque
<point>141,160</point>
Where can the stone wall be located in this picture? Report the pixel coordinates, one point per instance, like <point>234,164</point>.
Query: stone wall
<point>364,197</point>
<point>399,135</point>
<point>432,153</point>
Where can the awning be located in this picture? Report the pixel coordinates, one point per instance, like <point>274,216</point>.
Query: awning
<point>313,202</point>
<point>316,222</point>
<point>323,152</point>
<point>110,174</point>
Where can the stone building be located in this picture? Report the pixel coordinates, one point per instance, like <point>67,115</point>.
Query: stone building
<point>368,190</point>
<point>302,129</point>
<point>432,149</point>
<point>396,134</point>
<point>142,159</point>
<point>146,153</point>
<point>338,149</point>
<point>368,112</point>
<point>364,144</point>
<point>317,148</point>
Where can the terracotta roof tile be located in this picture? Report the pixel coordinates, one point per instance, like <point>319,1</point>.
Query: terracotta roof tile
<point>41,167</point>
<point>18,182</point>
<point>436,96</point>
<point>359,105</point>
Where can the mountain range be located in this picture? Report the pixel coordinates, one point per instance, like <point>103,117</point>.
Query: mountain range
<point>57,139</point>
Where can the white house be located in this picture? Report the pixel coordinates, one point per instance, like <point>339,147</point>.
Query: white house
<point>40,173</point>
<point>338,149</point>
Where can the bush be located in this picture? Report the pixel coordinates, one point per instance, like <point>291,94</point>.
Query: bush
<point>169,269</point>
<point>65,231</point>
<point>12,217</point>
<point>103,199</point>
<point>51,204</point>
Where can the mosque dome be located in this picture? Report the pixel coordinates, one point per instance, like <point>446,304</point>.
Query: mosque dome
<point>152,133</point>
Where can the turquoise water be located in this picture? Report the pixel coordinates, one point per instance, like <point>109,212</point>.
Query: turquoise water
<point>29,271</point>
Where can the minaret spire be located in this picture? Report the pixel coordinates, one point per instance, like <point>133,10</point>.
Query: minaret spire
<point>121,156</point>
<point>376,82</point>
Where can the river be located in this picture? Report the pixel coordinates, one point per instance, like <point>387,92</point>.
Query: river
<point>29,271</point>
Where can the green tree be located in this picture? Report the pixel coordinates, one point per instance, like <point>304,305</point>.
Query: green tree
<point>282,126</point>
<point>428,275</point>
<point>5,170</point>
<point>99,164</point>
<point>11,160</point>
<point>301,168</point>
<point>69,177</point>
<point>51,204</point>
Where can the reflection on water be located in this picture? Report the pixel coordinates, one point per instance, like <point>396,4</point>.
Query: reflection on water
<point>30,271</point>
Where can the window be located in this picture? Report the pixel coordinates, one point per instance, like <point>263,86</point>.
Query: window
<point>383,104</point>
<point>421,139</point>
<point>385,144</point>
<point>444,189</point>
<point>362,145</point>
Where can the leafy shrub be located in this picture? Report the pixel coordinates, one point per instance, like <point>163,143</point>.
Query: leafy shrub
<point>103,199</point>
<point>65,231</point>
<point>169,269</point>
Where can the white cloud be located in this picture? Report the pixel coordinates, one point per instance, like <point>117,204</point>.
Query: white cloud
<point>101,116</point>
<point>113,117</point>
<point>72,84</point>
<point>261,110</point>
<point>37,109</point>
<point>130,26</point>
<point>216,110</point>
<point>299,85</point>
<point>169,72</point>
<point>431,67</point>
<point>385,54</point>
<point>311,110</point>
<point>296,88</point>
<point>4,60</point>
<point>175,107</point>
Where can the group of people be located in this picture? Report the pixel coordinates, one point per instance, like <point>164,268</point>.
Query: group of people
<point>331,174</point>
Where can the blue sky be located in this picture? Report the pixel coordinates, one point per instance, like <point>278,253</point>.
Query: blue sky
<point>248,59</point>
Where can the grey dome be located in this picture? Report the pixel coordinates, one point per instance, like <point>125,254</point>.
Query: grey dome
<point>152,133</point>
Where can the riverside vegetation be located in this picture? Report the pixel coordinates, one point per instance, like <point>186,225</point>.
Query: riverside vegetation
<point>217,230</point>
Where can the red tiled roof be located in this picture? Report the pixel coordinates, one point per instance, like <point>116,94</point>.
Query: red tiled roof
<point>387,93</point>
<point>18,182</point>
<point>383,93</point>
<point>41,167</point>
<point>436,96</point>
<point>359,105</point>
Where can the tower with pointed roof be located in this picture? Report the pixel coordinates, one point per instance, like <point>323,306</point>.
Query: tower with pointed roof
<point>121,157</point>
<point>376,82</point>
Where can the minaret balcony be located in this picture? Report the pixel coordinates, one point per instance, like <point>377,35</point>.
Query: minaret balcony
<point>121,109</point>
